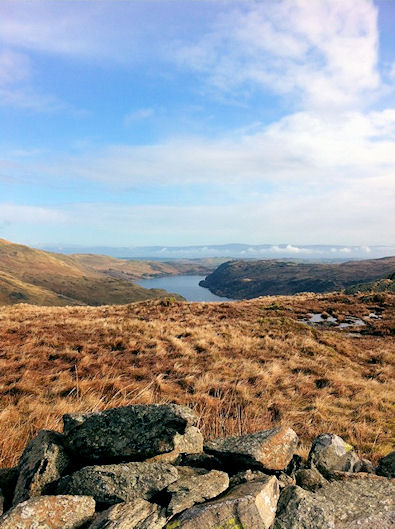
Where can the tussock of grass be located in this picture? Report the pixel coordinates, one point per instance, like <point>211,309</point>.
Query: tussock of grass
<point>243,366</point>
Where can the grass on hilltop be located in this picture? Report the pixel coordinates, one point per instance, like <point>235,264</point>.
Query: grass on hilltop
<point>243,366</point>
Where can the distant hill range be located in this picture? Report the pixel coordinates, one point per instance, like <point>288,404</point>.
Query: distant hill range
<point>251,279</point>
<point>38,277</point>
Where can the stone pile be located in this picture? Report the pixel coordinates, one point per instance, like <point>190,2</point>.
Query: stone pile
<point>147,467</point>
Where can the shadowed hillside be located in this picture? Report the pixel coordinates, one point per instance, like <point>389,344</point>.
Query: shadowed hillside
<point>243,366</point>
<point>251,279</point>
<point>43,278</point>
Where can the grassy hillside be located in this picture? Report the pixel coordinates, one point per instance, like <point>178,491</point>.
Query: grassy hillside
<point>243,366</point>
<point>250,279</point>
<point>44,278</point>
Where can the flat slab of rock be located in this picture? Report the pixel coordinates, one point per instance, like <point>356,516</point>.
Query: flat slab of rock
<point>250,505</point>
<point>195,486</point>
<point>130,515</point>
<point>49,512</point>
<point>109,484</point>
<point>300,509</point>
<point>135,432</point>
<point>269,449</point>
<point>363,503</point>
<point>43,460</point>
<point>330,452</point>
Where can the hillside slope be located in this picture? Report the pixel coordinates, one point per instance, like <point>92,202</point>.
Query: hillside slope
<point>251,279</point>
<point>244,366</point>
<point>44,278</point>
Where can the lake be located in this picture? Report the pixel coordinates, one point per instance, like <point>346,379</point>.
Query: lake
<point>186,286</point>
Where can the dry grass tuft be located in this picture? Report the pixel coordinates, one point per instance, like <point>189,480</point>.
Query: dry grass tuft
<point>243,366</point>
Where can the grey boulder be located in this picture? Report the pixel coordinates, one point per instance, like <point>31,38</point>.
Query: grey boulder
<point>43,461</point>
<point>195,486</point>
<point>300,509</point>
<point>361,503</point>
<point>250,505</point>
<point>330,452</point>
<point>109,484</point>
<point>49,512</point>
<point>265,450</point>
<point>386,466</point>
<point>135,432</point>
<point>131,515</point>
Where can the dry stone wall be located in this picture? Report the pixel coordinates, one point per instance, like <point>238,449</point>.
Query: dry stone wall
<point>147,467</point>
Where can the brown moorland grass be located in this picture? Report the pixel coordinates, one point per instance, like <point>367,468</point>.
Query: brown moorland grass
<point>243,366</point>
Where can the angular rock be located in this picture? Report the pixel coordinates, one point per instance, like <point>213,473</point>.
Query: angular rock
<point>109,484</point>
<point>189,443</point>
<point>43,460</point>
<point>49,512</point>
<point>329,452</point>
<point>310,479</point>
<point>300,509</point>
<point>386,466</point>
<point>135,432</point>
<point>362,503</point>
<point>195,486</point>
<point>266,450</point>
<point>130,515</point>
<point>250,505</point>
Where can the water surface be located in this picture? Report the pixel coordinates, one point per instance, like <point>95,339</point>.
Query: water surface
<point>186,286</point>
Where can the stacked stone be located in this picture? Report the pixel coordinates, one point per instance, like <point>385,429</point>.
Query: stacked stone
<point>146,467</point>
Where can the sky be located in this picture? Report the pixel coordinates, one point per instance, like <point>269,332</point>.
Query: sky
<point>197,122</point>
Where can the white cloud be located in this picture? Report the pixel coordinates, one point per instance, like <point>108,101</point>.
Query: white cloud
<point>323,52</point>
<point>300,148</point>
<point>15,213</point>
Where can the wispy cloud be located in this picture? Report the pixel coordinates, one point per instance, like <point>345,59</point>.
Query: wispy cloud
<point>321,53</point>
<point>138,115</point>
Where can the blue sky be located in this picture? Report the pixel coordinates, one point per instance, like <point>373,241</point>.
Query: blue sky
<point>197,122</point>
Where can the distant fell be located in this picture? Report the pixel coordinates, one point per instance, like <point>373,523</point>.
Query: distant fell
<point>251,279</point>
<point>34,276</point>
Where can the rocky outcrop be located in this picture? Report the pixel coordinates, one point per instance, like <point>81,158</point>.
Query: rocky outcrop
<point>145,467</point>
<point>329,452</point>
<point>127,515</point>
<point>131,433</point>
<point>195,486</point>
<point>109,484</point>
<point>251,505</point>
<point>50,512</point>
<point>300,509</point>
<point>267,450</point>
<point>42,462</point>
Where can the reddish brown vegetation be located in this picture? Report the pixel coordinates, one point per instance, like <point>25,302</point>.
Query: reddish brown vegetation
<point>243,366</point>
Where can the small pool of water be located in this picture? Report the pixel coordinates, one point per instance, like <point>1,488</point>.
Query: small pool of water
<point>186,286</point>
<point>331,321</point>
